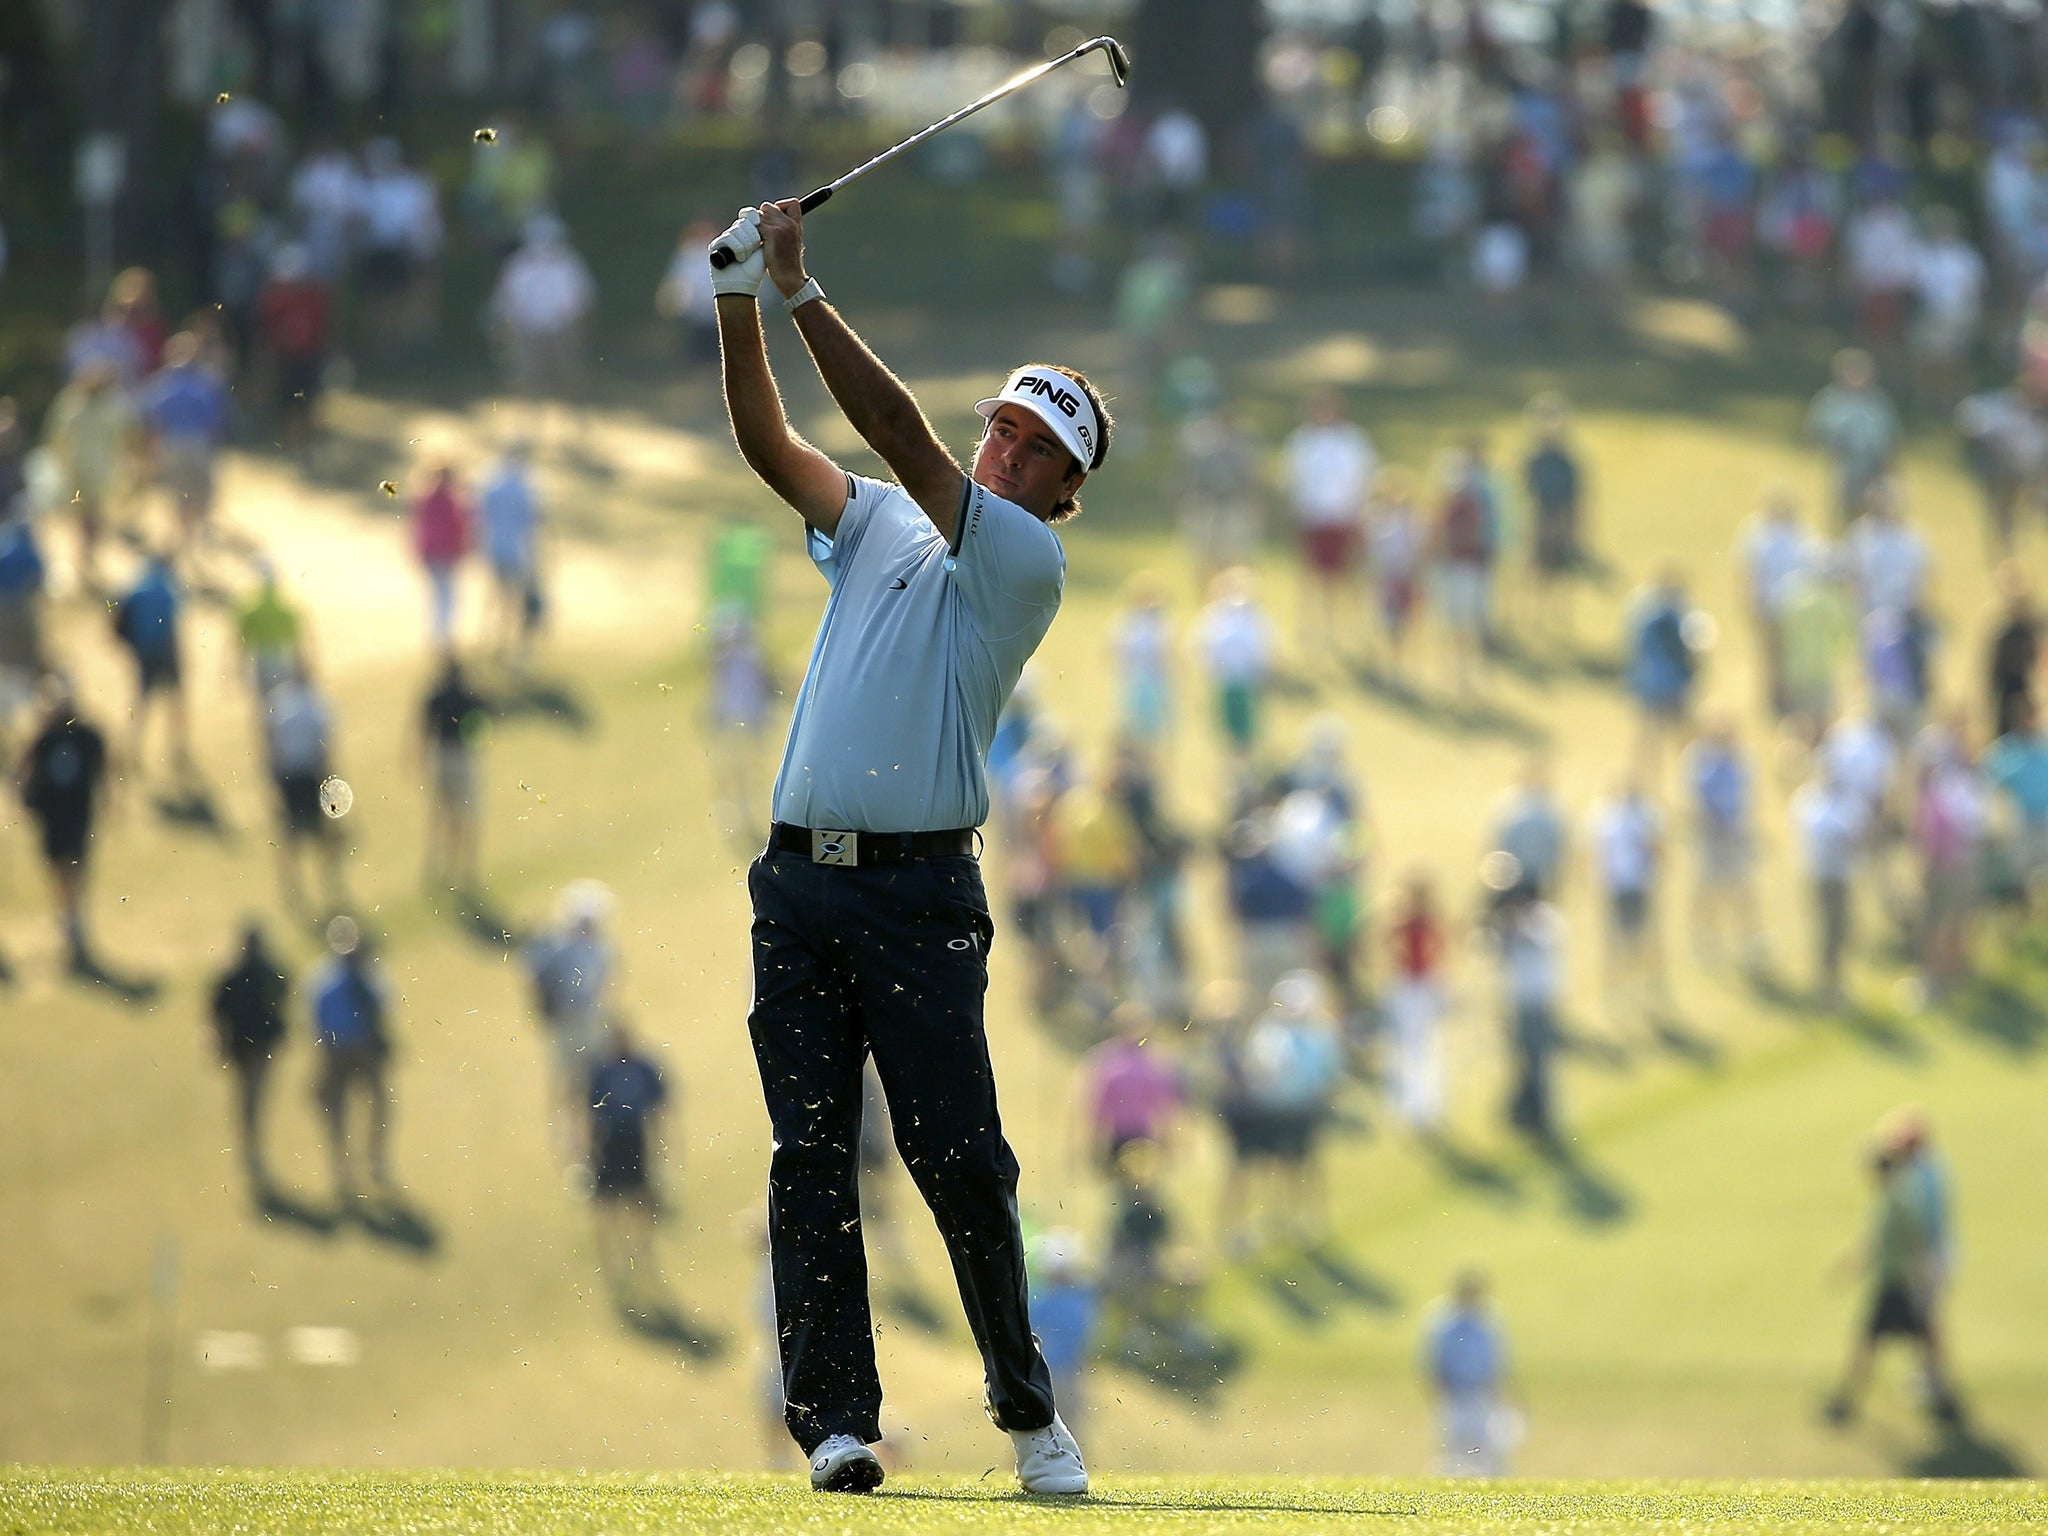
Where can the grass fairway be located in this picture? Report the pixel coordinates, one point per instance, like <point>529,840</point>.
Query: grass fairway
<point>1665,1289</point>
<point>461,1503</point>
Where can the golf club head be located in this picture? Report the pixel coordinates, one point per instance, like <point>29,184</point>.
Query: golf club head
<point>1119,61</point>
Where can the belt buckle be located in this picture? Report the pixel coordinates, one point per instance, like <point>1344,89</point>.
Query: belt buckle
<point>831,845</point>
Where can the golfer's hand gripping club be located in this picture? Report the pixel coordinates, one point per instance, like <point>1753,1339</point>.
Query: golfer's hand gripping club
<point>743,239</point>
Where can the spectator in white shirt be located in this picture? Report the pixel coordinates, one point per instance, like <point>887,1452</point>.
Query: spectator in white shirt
<point>1774,551</point>
<point>399,224</point>
<point>540,311</point>
<point>1832,816</point>
<point>326,196</point>
<point>1329,468</point>
<point>1887,557</point>
<point>1628,850</point>
<point>1882,251</point>
<point>1235,640</point>
<point>1948,289</point>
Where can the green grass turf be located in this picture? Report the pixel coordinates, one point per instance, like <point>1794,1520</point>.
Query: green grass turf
<point>1666,1292</point>
<point>457,1503</point>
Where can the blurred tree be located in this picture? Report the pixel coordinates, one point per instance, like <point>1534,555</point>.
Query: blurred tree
<point>1202,55</point>
<point>35,127</point>
<point>121,62</point>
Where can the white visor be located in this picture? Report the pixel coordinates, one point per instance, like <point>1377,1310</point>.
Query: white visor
<point>1057,401</point>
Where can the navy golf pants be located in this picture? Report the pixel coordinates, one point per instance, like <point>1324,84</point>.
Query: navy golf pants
<point>888,959</point>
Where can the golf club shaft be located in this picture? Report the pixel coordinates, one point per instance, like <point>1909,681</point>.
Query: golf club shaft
<point>724,256</point>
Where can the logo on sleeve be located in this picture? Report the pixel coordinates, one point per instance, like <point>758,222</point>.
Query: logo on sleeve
<point>898,584</point>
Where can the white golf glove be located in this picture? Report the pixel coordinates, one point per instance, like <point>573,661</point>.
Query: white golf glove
<point>744,241</point>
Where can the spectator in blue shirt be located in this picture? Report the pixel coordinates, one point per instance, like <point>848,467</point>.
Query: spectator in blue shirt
<point>2017,763</point>
<point>1465,1358</point>
<point>351,1012</point>
<point>186,406</point>
<point>1066,1310</point>
<point>1661,664</point>
<point>627,1095</point>
<point>510,514</point>
<point>1718,776</point>
<point>22,574</point>
<point>146,620</point>
<point>1551,476</point>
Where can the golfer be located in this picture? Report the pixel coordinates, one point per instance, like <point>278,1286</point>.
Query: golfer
<point>871,928</point>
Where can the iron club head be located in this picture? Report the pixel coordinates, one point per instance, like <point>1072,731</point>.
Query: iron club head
<point>1119,61</point>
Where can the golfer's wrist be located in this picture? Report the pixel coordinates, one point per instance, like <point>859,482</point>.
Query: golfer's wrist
<point>795,281</point>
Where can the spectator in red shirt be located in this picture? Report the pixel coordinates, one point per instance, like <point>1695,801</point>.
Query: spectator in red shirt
<point>443,530</point>
<point>292,311</point>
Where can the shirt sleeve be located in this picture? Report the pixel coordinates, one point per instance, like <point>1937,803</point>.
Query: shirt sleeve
<point>831,552</point>
<point>1009,564</point>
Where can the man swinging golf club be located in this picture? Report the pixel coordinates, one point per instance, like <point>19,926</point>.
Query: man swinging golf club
<point>871,927</point>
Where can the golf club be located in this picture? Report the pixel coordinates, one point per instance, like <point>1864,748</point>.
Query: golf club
<point>724,253</point>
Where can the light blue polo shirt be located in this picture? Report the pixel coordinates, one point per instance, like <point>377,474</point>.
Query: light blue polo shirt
<point>915,656</point>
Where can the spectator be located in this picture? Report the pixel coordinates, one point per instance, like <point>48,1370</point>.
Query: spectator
<point>1529,828</point>
<point>1142,641</point>
<point>1415,1004</point>
<point>1221,516</point>
<point>1725,898</point>
<point>293,313</point>
<point>1394,539</point>
<point>1853,420</point>
<point>1662,663</point>
<point>1235,639</point>
<point>249,1025</point>
<point>1880,258</point>
<point>1330,464</point>
<point>2015,652</point>
<point>1292,1066</point>
<point>22,579</point>
<point>741,697</point>
<point>1628,846</point>
<point>2017,765</point>
<point>148,620</point>
<point>1815,628</point>
<point>1531,935</point>
<point>451,727</point>
<point>1131,1089</point>
<point>736,565</point>
<point>400,221</point>
<point>1322,835</point>
<point>325,196</point>
<point>1831,816</point>
<point>1888,558</point>
<point>626,1101</point>
<point>1066,1311</point>
<point>571,965</point>
<point>443,531</point>
<point>1948,828</point>
<point>684,297</point>
<point>91,433</point>
<point>1896,647</point>
<point>270,632</point>
<point>2006,443</point>
<point>540,312</point>
<point>351,1025</point>
<point>1948,286</point>
<point>298,732</point>
<point>1461,552</point>
<point>60,778</point>
<point>510,514</point>
<point>1863,755</point>
<point>1465,1358</point>
<point>1552,477</point>
<point>1270,908</point>
<point>1774,552</point>
<point>187,408</point>
<point>1900,1258</point>
<point>1096,850</point>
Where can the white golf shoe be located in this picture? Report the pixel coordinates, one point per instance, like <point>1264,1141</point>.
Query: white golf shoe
<point>843,1465</point>
<point>1048,1461</point>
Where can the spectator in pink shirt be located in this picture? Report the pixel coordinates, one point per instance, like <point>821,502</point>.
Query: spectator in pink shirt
<point>443,529</point>
<point>1132,1087</point>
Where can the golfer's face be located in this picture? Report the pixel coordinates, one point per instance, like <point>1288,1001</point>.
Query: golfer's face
<point>1021,461</point>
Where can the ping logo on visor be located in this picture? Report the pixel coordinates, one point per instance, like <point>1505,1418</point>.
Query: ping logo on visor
<point>1057,401</point>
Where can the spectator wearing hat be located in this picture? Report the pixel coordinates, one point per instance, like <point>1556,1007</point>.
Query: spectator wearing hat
<point>1330,464</point>
<point>571,964</point>
<point>626,1099</point>
<point>540,311</point>
<point>1066,1311</point>
<point>1465,1360</point>
<point>298,734</point>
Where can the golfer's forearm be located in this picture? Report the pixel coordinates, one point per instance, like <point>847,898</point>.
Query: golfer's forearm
<point>879,405</point>
<point>752,402</point>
